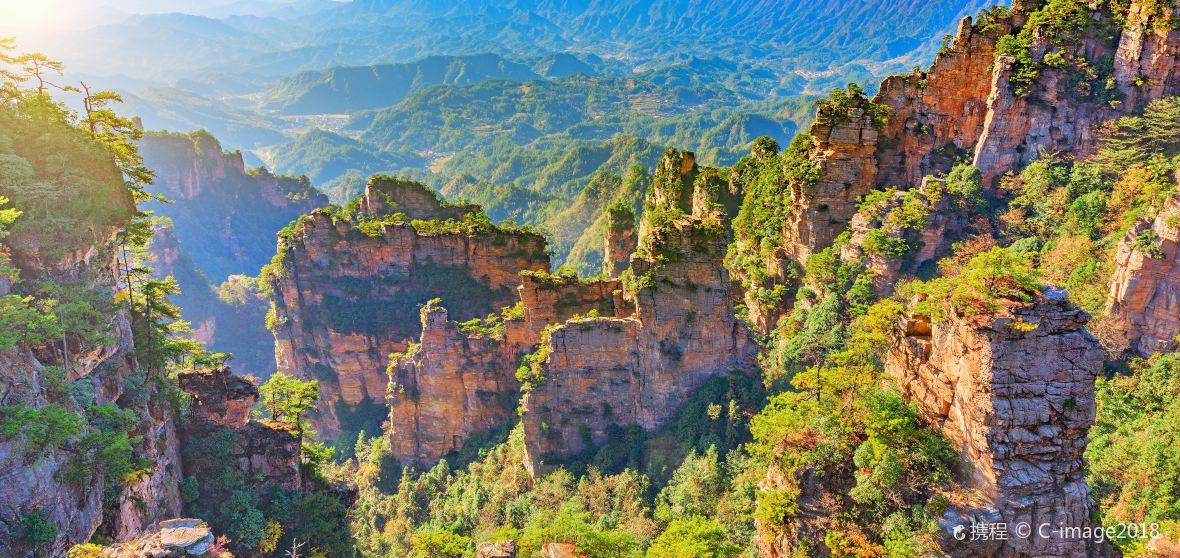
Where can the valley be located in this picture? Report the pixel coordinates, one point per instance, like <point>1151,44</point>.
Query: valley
<point>385,278</point>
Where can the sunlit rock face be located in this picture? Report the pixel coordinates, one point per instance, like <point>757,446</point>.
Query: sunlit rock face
<point>1144,301</point>
<point>640,368</point>
<point>459,381</point>
<point>347,298</point>
<point>1015,395</point>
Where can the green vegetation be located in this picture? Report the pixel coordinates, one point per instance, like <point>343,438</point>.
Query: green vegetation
<point>109,449</point>
<point>35,529</point>
<point>1135,448</point>
<point>42,430</point>
<point>75,184</point>
<point>693,537</point>
<point>766,176</point>
<point>1069,216</point>
<point>1066,23</point>
<point>989,283</point>
<point>286,399</point>
<point>27,321</point>
<point>835,292</point>
<point>835,108</point>
<point>844,412</point>
<point>531,372</point>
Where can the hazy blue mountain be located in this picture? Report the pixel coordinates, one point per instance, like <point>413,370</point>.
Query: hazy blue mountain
<point>349,89</point>
<point>180,110</point>
<point>783,36</point>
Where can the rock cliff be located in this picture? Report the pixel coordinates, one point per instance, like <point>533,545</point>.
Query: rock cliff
<point>347,293</point>
<point>80,377</point>
<point>173,538</point>
<point>844,153</point>
<point>1015,394</point>
<point>1081,69</point>
<point>1106,67</point>
<point>459,380</point>
<point>592,373</point>
<point>976,103</point>
<point>221,224</point>
<point>224,214</point>
<point>1144,300</point>
<point>219,433</point>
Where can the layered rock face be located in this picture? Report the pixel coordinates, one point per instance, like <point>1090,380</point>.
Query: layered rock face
<point>1018,129</point>
<point>34,480</point>
<point>346,296</point>
<point>965,104</point>
<point>501,549</point>
<point>1015,394</point>
<point>552,299</point>
<point>187,166</point>
<point>1144,300</point>
<point>385,195</point>
<point>449,386</point>
<point>1145,62</point>
<point>939,115</point>
<point>266,452</point>
<point>219,397</point>
<point>458,381</point>
<point>844,153</point>
<point>599,372</point>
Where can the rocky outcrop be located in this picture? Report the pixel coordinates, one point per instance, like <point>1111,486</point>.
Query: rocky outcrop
<point>965,105</point>
<point>1144,301</point>
<point>186,165</point>
<point>620,241</point>
<point>224,214</point>
<point>385,195</point>
<point>937,115</point>
<point>219,397</point>
<point>1015,394</point>
<point>173,538</point>
<point>501,549</point>
<point>266,452</point>
<point>460,379</point>
<point>904,231</point>
<point>450,385</point>
<point>1063,111</point>
<point>844,154</point>
<point>593,373</point>
<point>965,108</point>
<point>346,295</point>
<point>551,299</point>
<point>1145,63</point>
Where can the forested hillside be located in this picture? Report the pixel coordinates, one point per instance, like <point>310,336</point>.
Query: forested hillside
<point>596,280</point>
<point>114,420</point>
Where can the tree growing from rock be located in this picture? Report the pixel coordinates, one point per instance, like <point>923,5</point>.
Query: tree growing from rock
<point>286,399</point>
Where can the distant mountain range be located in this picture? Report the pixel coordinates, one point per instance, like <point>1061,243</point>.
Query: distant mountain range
<point>278,40</point>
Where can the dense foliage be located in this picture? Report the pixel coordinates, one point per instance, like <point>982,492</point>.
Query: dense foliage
<point>1134,450</point>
